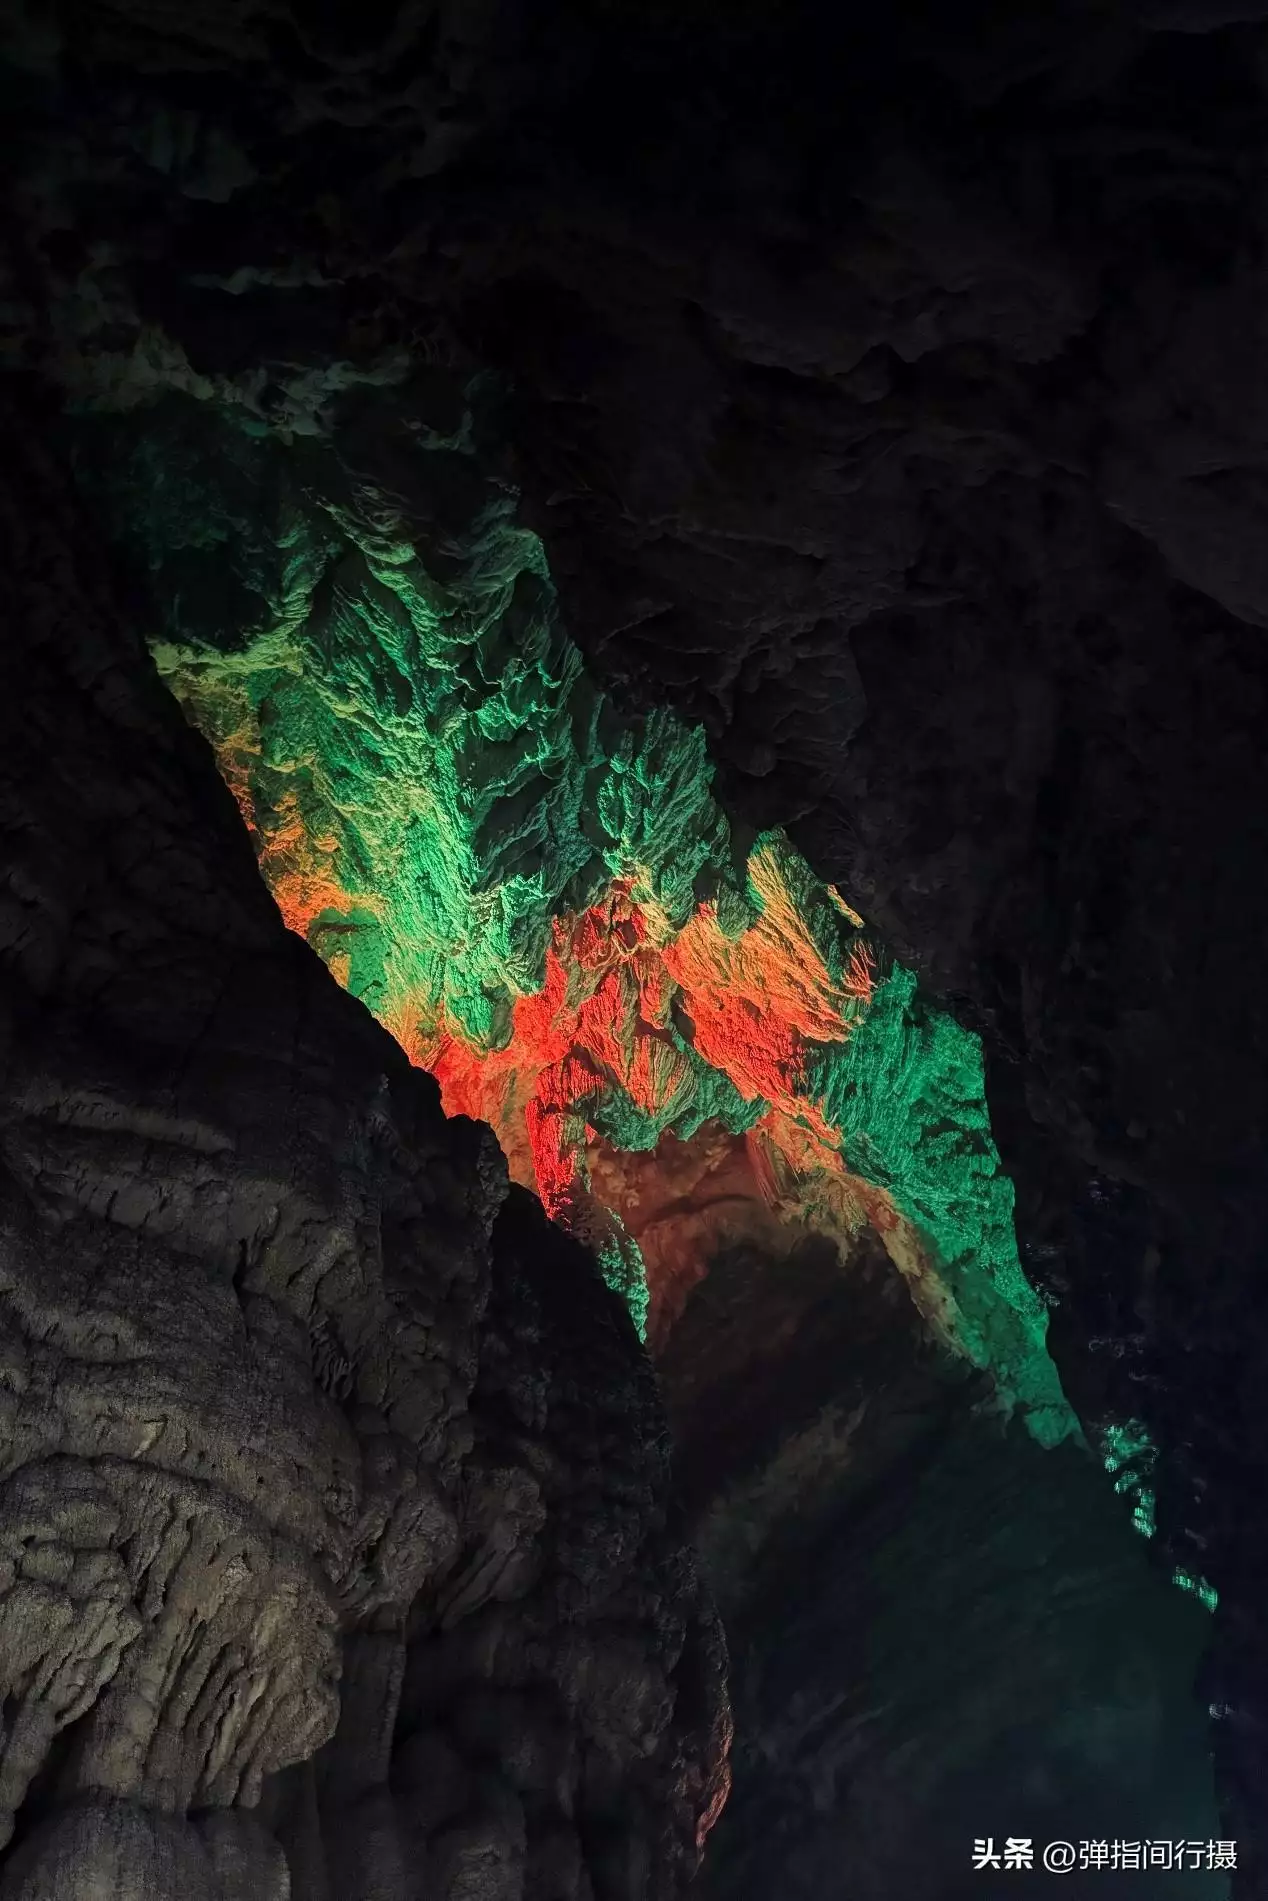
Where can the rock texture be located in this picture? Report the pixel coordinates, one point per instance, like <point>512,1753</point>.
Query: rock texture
<point>892,402</point>
<point>937,1630</point>
<point>541,897</point>
<point>337,1551</point>
<point>888,395</point>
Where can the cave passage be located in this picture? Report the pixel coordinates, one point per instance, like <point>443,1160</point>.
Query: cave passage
<point>545,902</point>
<point>711,1070</point>
<point>635,1087</point>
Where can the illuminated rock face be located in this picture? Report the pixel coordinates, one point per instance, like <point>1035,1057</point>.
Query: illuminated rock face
<point>339,1557</point>
<point>888,396</point>
<point>545,902</point>
<point>703,1063</point>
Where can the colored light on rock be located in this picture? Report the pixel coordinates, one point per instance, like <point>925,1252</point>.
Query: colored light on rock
<point>544,901</point>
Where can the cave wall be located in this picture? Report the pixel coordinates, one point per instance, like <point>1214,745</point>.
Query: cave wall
<point>887,397</point>
<point>939,1631</point>
<point>340,1557</point>
<point>538,894</point>
<point>891,401</point>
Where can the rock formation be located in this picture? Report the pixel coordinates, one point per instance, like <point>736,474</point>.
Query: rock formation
<point>339,1554</point>
<point>872,403</point>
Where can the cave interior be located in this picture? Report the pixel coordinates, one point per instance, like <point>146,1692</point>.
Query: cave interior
<point>635,791</point>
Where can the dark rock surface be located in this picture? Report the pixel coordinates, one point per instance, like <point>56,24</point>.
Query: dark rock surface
<point>939,1632</point>
<point>339,1558</point>
<point>889,394</point>
<point>892,400</point>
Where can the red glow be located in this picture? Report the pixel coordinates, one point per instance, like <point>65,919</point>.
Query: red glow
<point>601,1022</point>
<point>601,1019</point>
<point>298,869</point>
<point>757,1002</point>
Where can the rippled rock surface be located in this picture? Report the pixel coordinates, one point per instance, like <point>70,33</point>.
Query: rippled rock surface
<point>337,1551</point>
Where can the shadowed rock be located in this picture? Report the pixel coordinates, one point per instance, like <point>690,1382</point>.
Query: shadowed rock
<point>319,1444</point>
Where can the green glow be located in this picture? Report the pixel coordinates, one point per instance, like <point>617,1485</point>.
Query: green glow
<point>1129,1455</point>
<point>1127,1450</point>
<point>622,1267</point>
<point>907,1092</point>
<point>1143,1513</point>
<point>1206,1594</point>
<point>433,781</point>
